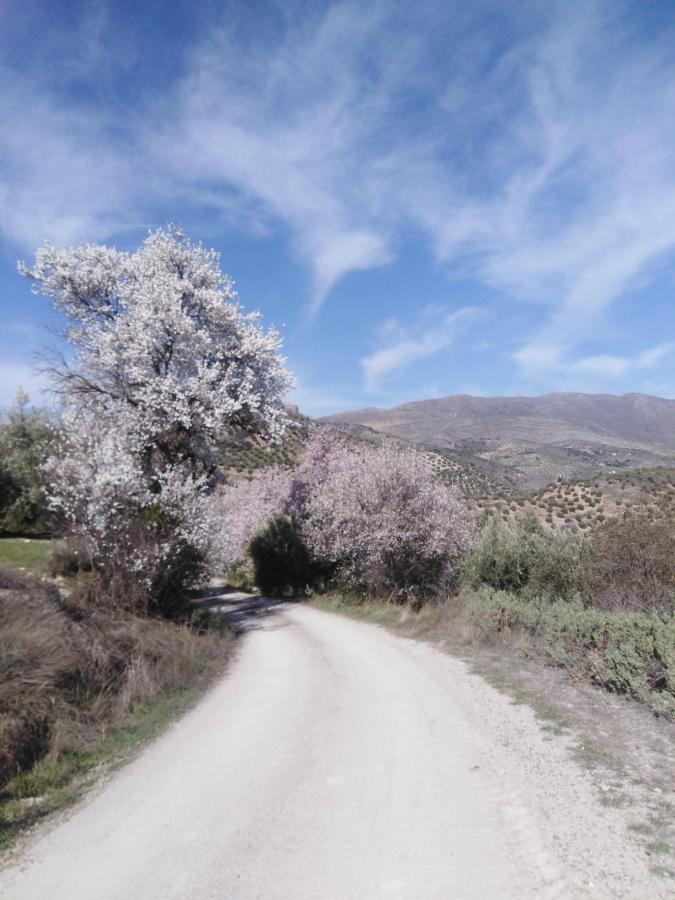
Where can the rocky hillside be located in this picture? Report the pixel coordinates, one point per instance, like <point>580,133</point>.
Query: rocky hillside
<point>533,441</point>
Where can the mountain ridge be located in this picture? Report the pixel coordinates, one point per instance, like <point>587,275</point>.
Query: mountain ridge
<point>538,438</point>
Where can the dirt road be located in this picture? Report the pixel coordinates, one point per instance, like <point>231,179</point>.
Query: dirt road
<point>338,761</point>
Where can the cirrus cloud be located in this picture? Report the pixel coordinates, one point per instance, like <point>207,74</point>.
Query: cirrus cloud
<point>533,148</point>
<point>404,346</point>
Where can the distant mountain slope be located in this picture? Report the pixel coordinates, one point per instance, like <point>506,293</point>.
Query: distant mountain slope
<point>634,420</point>
<point>539,438</point>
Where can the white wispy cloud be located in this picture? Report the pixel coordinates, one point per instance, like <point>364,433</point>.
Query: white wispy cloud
<point>405,345</point>
<point>291,128</point>
<point>537,156</point>
<point>608,366</point>
<point>551,366</point>
<point>64,176</point>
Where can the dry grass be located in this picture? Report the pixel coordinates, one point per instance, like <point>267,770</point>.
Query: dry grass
<point>71,674</point>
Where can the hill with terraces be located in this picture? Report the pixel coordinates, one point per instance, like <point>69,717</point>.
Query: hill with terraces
<point>575,495</point>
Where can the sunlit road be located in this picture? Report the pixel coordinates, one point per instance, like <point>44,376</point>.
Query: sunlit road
<point>334,760</point>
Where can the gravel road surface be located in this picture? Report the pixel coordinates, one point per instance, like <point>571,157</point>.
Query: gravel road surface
<point>335,760</point>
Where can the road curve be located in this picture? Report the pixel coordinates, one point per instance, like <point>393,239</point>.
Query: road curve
<point>336,760</point>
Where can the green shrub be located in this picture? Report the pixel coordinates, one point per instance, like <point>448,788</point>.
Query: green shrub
<point>499,558</point>
<point>524,556</point>
<point>628,563</point>
<point>282,564</point>
<point>26,440</point>
<point>558,564</point>
<point>242,576</point>
<point>183,569</point>
<point>627,653</point>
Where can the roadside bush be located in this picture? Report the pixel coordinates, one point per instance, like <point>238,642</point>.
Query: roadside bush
<point>500,557</point>
<point>524,557</point>
<point>629,653</point>
<point>185,566</point>
<point>558,565</point>
<point>70,557</point>
<point>241,575</point>
<point>116,582</point>
<point>281,562</point>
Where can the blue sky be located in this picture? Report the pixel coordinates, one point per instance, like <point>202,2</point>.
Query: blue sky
<point>429,198</point>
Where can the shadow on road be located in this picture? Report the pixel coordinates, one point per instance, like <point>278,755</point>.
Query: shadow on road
<point>245,612</point>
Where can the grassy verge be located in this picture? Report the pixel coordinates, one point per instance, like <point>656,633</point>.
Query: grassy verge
<point>27,554</point>
<point>627,653</point>
<point>365,610</point>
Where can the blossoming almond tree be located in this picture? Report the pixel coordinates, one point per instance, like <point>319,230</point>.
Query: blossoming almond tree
<point>377,516</point>
<point>242,508</point>
<point>391,526</point>
<point>164,364</point>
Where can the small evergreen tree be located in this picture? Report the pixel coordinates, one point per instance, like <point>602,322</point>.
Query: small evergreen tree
<point>282,563</point>
<point>26,440</point>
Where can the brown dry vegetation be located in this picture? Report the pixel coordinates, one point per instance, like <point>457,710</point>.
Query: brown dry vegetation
<point>71,672</point>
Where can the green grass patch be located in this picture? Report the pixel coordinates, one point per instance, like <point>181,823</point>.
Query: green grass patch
<point>29,554</point>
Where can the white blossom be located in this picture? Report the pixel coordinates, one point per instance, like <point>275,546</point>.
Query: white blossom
<point>240,509</point>
<point>165,365</point>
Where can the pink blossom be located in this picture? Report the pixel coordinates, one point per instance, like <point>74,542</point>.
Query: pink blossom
<point>384,518</point>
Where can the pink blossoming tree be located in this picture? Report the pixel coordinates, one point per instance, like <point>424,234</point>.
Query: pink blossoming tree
<point>387,522</point>
<point>377,516</point>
